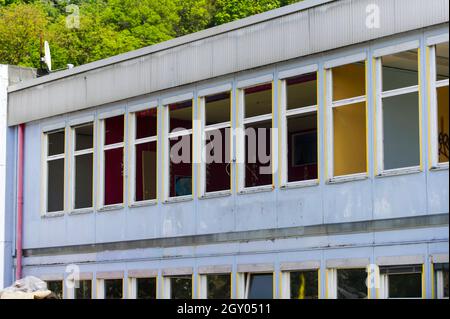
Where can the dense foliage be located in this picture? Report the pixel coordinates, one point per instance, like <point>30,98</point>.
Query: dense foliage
<point>82,31</point>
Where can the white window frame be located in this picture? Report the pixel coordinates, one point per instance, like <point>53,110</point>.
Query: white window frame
<point>384,286</point>
<point>285,114</point>
<point>332,281</point>
<point>100,293</point>
<point>167,135</point>
<point>286,282</point>
<point>440,285</point>
<point>45,160</point>
<point>380,94</point>
<point>101,158</point>
<point>240,136</point>
<point>203,284</point>
<point>207,128</point>
<point>433,111</point>
<point>244,278</point>
<point>73,156</point>
<point>132,286</point>
<point>330,105</point>
<point>167,293</point>
<point>132,159</point>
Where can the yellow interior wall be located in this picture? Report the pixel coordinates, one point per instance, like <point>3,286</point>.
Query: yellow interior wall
<point>349,124</point>
<point>443,120</point>
<point>349,81</point>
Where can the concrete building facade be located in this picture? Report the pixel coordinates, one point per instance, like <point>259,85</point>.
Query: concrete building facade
<point>356,94</point>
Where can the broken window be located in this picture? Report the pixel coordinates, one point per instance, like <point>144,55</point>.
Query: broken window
<point>113,288</point>
<point>113,160</point>
<point>441,280</point>
<point>145,147</point>
<point>402,281</point>
<point>83,289</point>
<point>258,135</point>
<point>146,288</point>
<point>55,170</point>
<point>400,110</point>
<point>259,286</point>
<point>56,287</point>
<point>84,158</point>
<point>217,142</point>
<point>351,284</point>
<point>441,100</point>
<point>301,122</point>
<point>348,120</point>
<point>218,286</point>
<point>180,287</point>
<point>180,148</point>
<point>304,284</point>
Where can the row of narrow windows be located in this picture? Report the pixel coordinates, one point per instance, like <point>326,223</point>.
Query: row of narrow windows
<point>393,282</point>
<point>398,122</point>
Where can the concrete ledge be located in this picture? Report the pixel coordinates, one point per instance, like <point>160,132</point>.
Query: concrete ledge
<point>178,271</point>
<point>223,269</point>
<point>255,268</point>
<point>142,273</point>
<point>348,263</point>
<point>439,258</point>
<point>110,275</point>
<point>297,266</point>
<point>253,235</point>
<point>400,260</point>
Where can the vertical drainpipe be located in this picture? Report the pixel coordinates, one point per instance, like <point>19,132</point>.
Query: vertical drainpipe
<point>20,162</point>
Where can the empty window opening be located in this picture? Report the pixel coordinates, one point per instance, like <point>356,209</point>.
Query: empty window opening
<point>113,288</point>
<point>351,284</point>
<point>146,288</point>
<point>401,281</point>
<point>301,91</point>
<point>218,286</point>
<point>83,289</point>
<point>442,98</point>
<point>55,170</point>
<point>258,135</point>
<point>56,287</point>
<point>304,284</point>
<point>146,155</point>
<point>84,158</point>
<point>301,128</point>
<point>348,120</point>
<point>180,287</point>
<point>180,148</point>
<point>400,110</point>
<point>259,286</point>
<point>113,160</point>
<point>217,142</point>
<point>441,280</point>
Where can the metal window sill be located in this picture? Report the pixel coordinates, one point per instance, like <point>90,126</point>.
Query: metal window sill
<point>81,211</point>
<point>53,215</point>
<point>301,184</point>
<point>179,199</point>
<point>440,167</point>
<point>145,203</point>
<point>348,178</point>
<point>216,194</point>
<point>400,171</point>
<point>257,189</point>
<point>110,208</point>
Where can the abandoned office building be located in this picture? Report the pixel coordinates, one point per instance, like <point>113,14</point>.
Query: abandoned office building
<point>350,124</point>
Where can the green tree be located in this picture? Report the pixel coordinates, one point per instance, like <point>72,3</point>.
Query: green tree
<point>195,15</point>
<point>20,27</point>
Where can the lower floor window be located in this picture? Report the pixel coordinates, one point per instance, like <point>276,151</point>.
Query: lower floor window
<point>216,286</point>
<point>351,283</point>
<point>83,289</point>
<point>401,281</point>
<point>304,284</point>
<point>180,287</point>
<point>441,280</point>
<point>56,287</point>
<point>146,288</point>
<point>113,288</point>
<point>259,286</point>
